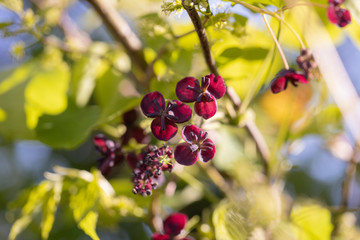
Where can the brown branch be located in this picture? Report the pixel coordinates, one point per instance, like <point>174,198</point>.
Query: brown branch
<point>200,30</point>
<point>234,98</point>
<point>121,31</point>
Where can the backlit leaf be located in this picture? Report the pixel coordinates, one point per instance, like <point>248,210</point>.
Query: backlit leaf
<point>68,129</point>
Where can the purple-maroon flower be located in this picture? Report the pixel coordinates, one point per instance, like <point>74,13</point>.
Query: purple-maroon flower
<point>173,225</point>
<point>338,15</point>
<point>150,163</point>
<point>133,130</point>
<point>196,145</point>
<point>164,125</point>
<point>280,82</point>
<point>188,90</point>
<point>111,153</point>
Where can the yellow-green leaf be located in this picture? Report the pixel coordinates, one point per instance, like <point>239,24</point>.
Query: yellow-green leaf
<point>49,209</point>
<point>313,222</point>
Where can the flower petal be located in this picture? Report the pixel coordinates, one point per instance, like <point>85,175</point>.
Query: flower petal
<point>217,86</point>
<point>158,236</point>
<point>207,150</point>
<point>278,84</point>
<point>206,106</point>
<point>152,104</point>
<point>169,131</point>
<point>175,223</point>
<point>180,111</point>
<point>338,15</point>
<point>188,89</point>
<point>191,133</point>
<point>297,77</point>
<point>184,155</point>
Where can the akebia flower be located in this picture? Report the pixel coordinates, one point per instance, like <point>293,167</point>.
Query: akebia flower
<point>150,165</point>
<point>307,63</point>
<point>164,125</point>
<point>189,90</point>
<point>173,225</point>
<point>196,146</point>
<point>280,82</point>
<point>338,15</point>
<point>111,153</point>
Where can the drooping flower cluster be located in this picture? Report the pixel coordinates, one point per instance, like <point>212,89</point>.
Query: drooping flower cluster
<point>173,225</point>
<point>338,15</point>
<point>189,90</point>
<point>280,82</point>
<point>196,146</point>
<point>151,162</point>
<point>111,153</point>
<point>307,63</point>
<point>164,125</point>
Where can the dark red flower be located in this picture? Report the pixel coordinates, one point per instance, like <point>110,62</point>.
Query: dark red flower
<point>336,2</point>
<point>111,153</point>
<point>196,145</point>
<point>174,223</point>
<point>280,82</point>
<point>157,236</point>
<point>188,90</point>
<point>132,129</point>
<point>338,15</point>
<point>163,126</point>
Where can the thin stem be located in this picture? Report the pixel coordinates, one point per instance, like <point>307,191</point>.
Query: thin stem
<point>230,93</point>
<point>200,30</point>
<point>282,55</point>
<point>216,178</point>
<point>303,46</point>
<point>350,171</point>
<point>260,144</point>
<point>274,15</point>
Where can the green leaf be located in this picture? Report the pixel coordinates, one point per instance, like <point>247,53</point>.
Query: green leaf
<point>49,209</point>
<point>250,53</point>
<point>5,24</point>
<point>68,129</point>
<point>46,92</point>
<point>84,74</point>
<point>107,95</point>
<point>31,209</point>
<point>228,222</point>
<point>313,222</point>
<point>88,224</point>
<point>84,203</point>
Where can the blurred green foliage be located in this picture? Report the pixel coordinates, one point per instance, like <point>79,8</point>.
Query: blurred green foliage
<point>72,80</point>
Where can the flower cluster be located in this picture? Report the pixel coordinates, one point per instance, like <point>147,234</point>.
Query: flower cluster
<point>307,63</point>
<point>151,162</point>
<point>338,15</point>
<point>280,82</point>
<point>111,153</point>
<point>188,90</point>
<point>173,225</point>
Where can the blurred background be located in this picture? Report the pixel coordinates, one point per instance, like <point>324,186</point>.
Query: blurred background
<point>303,127</point>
